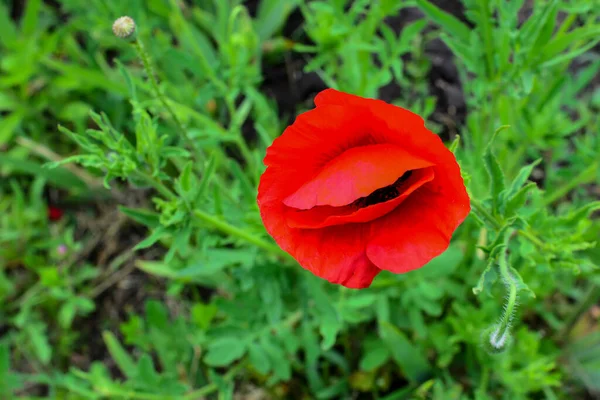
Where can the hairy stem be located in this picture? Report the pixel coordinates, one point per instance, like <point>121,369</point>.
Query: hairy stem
<point>499,336</point>
<point>143,55</point>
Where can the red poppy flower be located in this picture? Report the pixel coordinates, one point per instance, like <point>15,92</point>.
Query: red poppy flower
<point>357,186</point>
<point>54,213</point>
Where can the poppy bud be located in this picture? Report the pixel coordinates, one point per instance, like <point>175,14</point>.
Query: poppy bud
<point>124,27</point>
<point>496,340</point>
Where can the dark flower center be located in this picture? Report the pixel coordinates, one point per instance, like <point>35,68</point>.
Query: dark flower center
<point>383,194</point>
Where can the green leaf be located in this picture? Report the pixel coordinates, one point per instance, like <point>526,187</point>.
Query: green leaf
<point>157,235</point>
<point>202,314</point>
<point>449,23</point>
<point>39,340</point>
<point>8,31</point>
<point>143,216</point>
<point>9,125</point>
<point>58,177</point>
<point>521,285</point>
<point>119,354</point>
<point>374,358</point>
<point>186,183</point>
<point>489,275</point>
<point>414,364</point>
<point>259,359</point>
<point>207,175</point>
<point>271,16</point>
<point>146,371</point>
<point>521,178</point>
<point>128,80</point>
<point>30,21</point>
<point>538,28</point>
<point>562,42</point>
<point>157,268</point>
<point>282,368</point>
<point>225,350</point>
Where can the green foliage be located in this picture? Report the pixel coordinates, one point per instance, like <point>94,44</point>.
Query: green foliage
<point>181,294</point>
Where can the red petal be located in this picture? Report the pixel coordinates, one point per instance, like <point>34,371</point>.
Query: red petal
<point>320,217</point>
<point>354,174</point>
<point>335,253</point>
<point>411,235</point>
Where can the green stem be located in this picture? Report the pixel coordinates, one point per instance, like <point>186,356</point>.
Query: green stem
<point>500,336</point>
<point>591,297</point>
<point>156,184</point>
<point>532,238</point>
<point>143,55</point>
<point>497,225</point>
<point>585,176</point>
<point>231,230</point>
<point>486,214</point>
<point>215,222</point>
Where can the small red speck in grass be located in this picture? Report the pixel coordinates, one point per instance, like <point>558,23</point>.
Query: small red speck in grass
<point>54,213</point>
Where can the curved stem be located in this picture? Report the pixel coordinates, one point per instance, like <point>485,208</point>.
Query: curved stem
<point>156,184</point>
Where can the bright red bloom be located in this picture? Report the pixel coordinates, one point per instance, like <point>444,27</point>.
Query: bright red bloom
<point>357,186</point>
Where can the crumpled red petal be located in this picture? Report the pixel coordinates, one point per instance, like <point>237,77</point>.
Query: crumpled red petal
<point>353,174</point>
<point>320,217</point>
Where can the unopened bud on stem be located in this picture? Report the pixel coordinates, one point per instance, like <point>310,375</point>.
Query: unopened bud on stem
<point>124,27</point>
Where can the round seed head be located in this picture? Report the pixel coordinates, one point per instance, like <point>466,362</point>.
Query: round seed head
<point>124,27</point>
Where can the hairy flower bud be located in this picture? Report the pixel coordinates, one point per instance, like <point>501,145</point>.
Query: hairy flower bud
<point>495,340</point>
<point>124,27</point>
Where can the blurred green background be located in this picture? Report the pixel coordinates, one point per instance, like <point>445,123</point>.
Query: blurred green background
<point>133,261</point>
